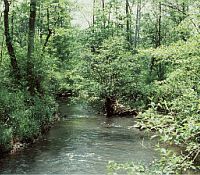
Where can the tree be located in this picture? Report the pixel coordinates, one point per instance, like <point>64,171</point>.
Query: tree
<point>128,26</point>
<point>137,24</point>
<point>9,44</point>
<point>158,37</point>
<point>49,30</point>
<point>30,53</point>
<point>104,16</point>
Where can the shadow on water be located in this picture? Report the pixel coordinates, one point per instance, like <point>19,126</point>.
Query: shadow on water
<point>82,143</point>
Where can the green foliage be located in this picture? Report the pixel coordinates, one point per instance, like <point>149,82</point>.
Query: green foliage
<point>163,81</point>
<point>25,127</point>
<point>170,163</point>
<point>146,56</point>
<point>112,71</point>
<point>127,168</point>
<point>6,137</point>
<point>65,50</point>
<point>23,116</point>
<point>20,120</point>
<point>174,111</point>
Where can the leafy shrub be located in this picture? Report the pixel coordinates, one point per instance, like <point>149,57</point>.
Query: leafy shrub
<point>174,107</point>
<point>5,138</point>
<point>21,121</point>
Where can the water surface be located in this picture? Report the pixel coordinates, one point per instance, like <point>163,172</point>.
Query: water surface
<point>82,143</point>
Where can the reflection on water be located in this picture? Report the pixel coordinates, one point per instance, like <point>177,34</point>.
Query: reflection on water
<point>82,144</point>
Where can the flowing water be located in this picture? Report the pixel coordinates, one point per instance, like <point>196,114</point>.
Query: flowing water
<point>82,143</point>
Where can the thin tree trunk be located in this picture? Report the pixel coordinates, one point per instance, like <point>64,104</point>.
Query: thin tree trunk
<point>160,71</point>
<point>109,14</point>
<point>117,26</point>
<point>30,54</point>
<point>109,20</point>
<point>2,43</point>
<point>128,32</point>
<point>40,21</point>
<point>12,22</point>
<point>9,44</point>
<point>49,31</point>
<point>158,43</point>
<point>103,8</point>
<point>158,39</point>
<point>1,54</point>
<point>93,15</point>
<point>1,17</point>
<point>137,25</point>
<point>93,49</point>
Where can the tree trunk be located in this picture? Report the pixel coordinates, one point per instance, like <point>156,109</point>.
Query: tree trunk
<point>1,53</point>
<point>49,31</point>
<point>109,106</point>
<point>30,54</point>
<point>10,48</point>
<point>12,22</point>
<point>40,28</point>
<point>93,49</point>
<point>1,17</point>
<point>128,28</point>
<point>93,14</point>
<point>2,43</point>
<point>137,25</point>
<point>158,37</point>
<point>103,8</point>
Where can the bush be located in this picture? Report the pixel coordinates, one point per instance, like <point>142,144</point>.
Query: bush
<point>5,138</point>
<point>174,108</point>
<point>21,121</point>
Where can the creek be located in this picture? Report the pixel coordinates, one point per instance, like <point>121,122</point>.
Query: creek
<point>82,143</point>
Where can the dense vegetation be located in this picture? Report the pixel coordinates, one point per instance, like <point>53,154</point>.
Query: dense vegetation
<point>142,54</point>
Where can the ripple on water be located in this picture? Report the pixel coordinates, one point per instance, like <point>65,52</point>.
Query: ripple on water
<point>83,144</point>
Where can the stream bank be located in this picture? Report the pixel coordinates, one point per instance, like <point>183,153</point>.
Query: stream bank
<point>82,142</point>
